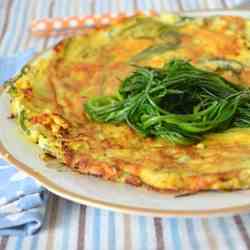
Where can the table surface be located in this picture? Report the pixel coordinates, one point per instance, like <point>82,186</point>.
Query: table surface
<point>71,226</point>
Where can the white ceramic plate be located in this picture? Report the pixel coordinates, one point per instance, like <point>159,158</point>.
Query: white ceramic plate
<point>120,197</point>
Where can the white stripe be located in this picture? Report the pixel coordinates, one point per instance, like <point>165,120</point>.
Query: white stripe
<point>235,233</point>
<point>70,222</point>
<point>26,243</point>
<point>75,7</point>
<point>104,229</point>
<point>3,6</point>
<point>64,7</point>
<point>98,7</point>
<point>27,33</point>
<point>134,232</point>
<point>89,227</point>
<point>11,243</point>
<point>189,4</point>
<point>114,6</point>
<point>173,5</point>
<point>84,7</point>
<point>21,27</point>
<point>166,5</point>
<point>105,6</point>
<point>39,13</point>
<point>74,226</point>
<point>50,39</point>
<point>237,2</point>
<point>127,6</point>
<point>58,230</point>
<point>151,233</point>
<point>147,5</point>
<point>246,221</point>
<point>216,4</point>
<point>58,11</point>
<point>71,7</point>
<point>199,231</point>
<point>215,229</point>
<point>156,5</point>
<point>37,42</point>
<point>166,230</point>
<point>119,226</point>
<point>228,2</point>
<point>43,234</point>
<point>141,4</point>
<point>5,48</point>
<point>201,4</point>
<point>231,3</point>
<point>184,234</point>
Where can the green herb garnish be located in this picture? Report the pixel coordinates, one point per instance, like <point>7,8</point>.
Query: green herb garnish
<point>178,102</point>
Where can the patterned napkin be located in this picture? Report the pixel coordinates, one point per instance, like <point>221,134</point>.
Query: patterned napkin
<point>22,199</point>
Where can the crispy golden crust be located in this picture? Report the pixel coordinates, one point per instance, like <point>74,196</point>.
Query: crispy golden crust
<point>48,101</point>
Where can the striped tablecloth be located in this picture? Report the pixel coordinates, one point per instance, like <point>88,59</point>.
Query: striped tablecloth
<point>69,226</point>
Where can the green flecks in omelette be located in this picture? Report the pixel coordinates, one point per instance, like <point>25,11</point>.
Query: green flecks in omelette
<point>85,66</point>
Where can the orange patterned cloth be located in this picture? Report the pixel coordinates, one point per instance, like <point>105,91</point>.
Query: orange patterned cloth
<point>54,26</point>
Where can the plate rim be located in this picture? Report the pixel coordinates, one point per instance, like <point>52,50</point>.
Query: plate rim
<point>84,200</point>
<point>69,195</point>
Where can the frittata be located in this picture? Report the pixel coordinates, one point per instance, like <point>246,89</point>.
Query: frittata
<point>48,97</point>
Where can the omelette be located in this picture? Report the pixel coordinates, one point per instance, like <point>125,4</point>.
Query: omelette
<point>49,94</point>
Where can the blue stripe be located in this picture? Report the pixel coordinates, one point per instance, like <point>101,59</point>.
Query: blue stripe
<point>226,233</point>
<point>104,6</point>
<point>66,7</point>
<point>148,5</point>
<point>23,21</point>
<point>127,6</point>
<point>187,5</point>
<point>111,231</point>
<point>157,6</point>
<point>140,4</point>
<point>175,233</point>
<point>98,7</point>
<point>142,234</point>
<point>43,12</point>
<point>67,214</point>
<point>96,229</point>
<point>19,242</point>
<point>192,236</point>
<point>11,30</point>
<point>35,239</point>
<point>247,216</point>
<point>34,243</point>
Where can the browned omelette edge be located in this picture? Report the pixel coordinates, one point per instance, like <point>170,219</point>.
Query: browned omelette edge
<point>54,188</point>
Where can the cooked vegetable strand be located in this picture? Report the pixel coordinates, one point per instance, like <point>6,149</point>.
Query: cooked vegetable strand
<point>179,103</point>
